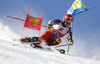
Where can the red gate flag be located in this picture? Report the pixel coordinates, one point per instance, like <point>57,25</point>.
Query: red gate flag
<point>33,23</point>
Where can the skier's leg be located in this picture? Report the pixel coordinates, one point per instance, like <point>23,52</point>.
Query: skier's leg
<point>29,39</point>
<point>47,36</point>
<point>53,42</point>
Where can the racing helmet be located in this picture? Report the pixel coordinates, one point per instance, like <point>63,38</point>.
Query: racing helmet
<point>68,19</point>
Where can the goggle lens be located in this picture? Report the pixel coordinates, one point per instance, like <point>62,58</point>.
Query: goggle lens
<point>68,21</point>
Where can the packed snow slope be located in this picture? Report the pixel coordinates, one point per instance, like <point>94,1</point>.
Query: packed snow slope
<point>16,53</point>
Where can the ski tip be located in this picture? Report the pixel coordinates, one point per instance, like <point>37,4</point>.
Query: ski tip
<point>62,51</point>
<point>16,40</point>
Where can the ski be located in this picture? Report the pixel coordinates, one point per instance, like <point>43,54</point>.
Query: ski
<point>34,45</point>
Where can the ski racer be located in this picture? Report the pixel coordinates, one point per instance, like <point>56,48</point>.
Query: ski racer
<point>56,29</point>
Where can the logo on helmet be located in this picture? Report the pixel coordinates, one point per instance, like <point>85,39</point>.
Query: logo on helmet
<point>71,18</point>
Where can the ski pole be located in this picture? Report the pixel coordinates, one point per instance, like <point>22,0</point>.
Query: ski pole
<point>68,49</point>
<point>39,24</point>
<point>64,45</point>
<point>14,18</point>
<point>24,20</point>
<point>61,45</point>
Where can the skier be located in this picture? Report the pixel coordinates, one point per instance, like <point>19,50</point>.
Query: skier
<point>56,29</point>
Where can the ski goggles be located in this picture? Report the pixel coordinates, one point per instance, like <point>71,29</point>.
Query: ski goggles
<point>68,21</point>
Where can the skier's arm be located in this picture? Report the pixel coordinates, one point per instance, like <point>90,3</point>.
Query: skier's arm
<point>50,25</point>
<point>53,22</point>
<point>70,36</point>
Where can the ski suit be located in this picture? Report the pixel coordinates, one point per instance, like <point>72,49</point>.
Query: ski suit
<point>52,37</point>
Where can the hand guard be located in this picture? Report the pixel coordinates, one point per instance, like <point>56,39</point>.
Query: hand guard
<point>49,26</point>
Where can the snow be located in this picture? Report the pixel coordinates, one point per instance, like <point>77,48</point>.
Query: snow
<point>97,57</point>
<point>16,53</point>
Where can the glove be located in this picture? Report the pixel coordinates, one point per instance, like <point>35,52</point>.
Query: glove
<point>71,41</point>
<point>49,26</point>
